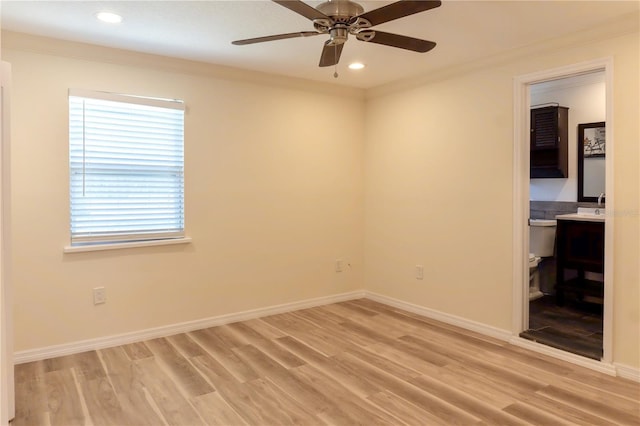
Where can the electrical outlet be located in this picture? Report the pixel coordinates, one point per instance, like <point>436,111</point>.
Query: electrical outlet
<point>99,295</point>
<point>339,265</point>
<point>419,272</point>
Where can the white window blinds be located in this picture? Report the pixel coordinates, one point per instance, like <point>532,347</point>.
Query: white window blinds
<point>126,157</point>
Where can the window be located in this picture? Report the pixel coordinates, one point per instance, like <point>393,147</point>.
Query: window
<point>126,158</point>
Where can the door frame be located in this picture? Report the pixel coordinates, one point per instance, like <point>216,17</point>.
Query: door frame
<point>7,393</point>
<point>521,158</point>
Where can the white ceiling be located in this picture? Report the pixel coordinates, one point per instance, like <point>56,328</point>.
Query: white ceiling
<point>203,31</point>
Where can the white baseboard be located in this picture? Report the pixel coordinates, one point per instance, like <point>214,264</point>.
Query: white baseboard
<point>627,372</point>
<point>457,321</point>
<point>620,370</point>
<point>168,330</point>
<point>592,364</point>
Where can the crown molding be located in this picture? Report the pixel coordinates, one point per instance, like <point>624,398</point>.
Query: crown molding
<point>625,25</point>
<point>91,52</point>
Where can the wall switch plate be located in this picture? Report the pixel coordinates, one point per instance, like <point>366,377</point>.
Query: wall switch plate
<point>99,295</point>
<point>419,272</point>
<point>339,265</point>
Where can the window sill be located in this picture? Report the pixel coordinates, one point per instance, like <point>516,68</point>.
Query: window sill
<point>133,244</point>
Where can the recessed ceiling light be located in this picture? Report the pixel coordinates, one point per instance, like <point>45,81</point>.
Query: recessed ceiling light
<point>356,66</point>
<point>109,17</point>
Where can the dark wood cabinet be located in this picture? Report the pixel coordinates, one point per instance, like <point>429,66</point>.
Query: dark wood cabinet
<point>580,247</point>
<point>549,142</point>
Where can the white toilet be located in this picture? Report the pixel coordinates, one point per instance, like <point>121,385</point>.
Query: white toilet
<point>542,237</point>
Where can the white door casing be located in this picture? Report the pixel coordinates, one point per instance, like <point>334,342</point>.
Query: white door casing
<point>520,315</point>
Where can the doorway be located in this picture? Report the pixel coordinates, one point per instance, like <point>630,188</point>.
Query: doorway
<point>531,311</point>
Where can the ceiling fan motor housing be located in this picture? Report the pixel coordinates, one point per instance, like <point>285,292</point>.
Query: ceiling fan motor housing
<point>340,10</point>
<point>342,14</point>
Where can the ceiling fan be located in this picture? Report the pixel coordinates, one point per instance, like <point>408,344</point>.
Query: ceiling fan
<point>339,18</point>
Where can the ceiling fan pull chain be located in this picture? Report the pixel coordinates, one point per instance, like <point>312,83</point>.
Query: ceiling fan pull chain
<point>335,50</point>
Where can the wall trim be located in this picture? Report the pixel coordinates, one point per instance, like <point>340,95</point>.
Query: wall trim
<point>620,370</point>
<point>592,364</point>
<point>93,52</point>
<point>38,354</point>
<point>627,372</point>
<point>617,27</point>
<point>521,101</point>
<point>455,320</point>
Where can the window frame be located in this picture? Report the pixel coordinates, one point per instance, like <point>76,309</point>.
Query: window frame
<point>105,240</point>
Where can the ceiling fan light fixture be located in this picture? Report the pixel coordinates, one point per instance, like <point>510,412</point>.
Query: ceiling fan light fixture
<point>356,66</point>
<point>109,17</point>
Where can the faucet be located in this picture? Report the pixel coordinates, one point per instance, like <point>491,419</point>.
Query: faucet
<point>600,199</point>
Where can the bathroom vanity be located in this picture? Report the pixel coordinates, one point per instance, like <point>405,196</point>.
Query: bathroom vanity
<point>580,248</point>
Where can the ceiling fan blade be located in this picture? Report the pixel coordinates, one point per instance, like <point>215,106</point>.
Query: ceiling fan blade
<point>330,54</point>
<point>396,40</point>
<point>303,9</point>
<point>397,10</point>
<point>275,37</point>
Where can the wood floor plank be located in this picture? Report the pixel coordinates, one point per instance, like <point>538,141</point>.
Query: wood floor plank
<point>289,323</point>
<point>271,349</point>
<point>64,405</point>
<point>224,355</point>
<point>181,371</point>
<point>624,403</point>
<point>347,311</point>
<point>367,335</point>
<point>398,355</point>
<point>386,327</point>
<point>211,369</point>
<point>31,395</point>
<point>476,385</point>
<point>127,382</point>
<point>259,361</point>
<point>465,401</point>
<point>534,416</point>
<point>405,411</point>
<point>289,410</point>
<point>258,402</point>
<point>350,410</point>
<point>615,385</point>
<point>319,316</point>
<point>216,411</point>
<point>395,367</point>
<point>137,350</point>
<point>175,408</point>
<point>225,335</point>
<point>264,329</point>
<point>592,405</point>
<point>102,402</point>
<point>301,350</point>
<point>351,363</point>
<point>323,341</point>
<point>408,391</point>
<point>501,373</point>
<point>574,415</point>
<point>186,345</point>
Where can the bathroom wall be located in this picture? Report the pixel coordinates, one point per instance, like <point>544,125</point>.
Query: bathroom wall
<point>585,97</point>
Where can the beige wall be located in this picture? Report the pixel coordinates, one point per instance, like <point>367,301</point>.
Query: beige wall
<point>422,176</point>
<point>438,163</point>
<point>273,197</point>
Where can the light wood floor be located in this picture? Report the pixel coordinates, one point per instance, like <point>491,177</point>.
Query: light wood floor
<point>350,363</point>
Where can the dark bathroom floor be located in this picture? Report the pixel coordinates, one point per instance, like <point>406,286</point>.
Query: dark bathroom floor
<point>575,327</point>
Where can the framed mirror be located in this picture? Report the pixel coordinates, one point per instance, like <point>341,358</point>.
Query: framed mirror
<point>591,161</point>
